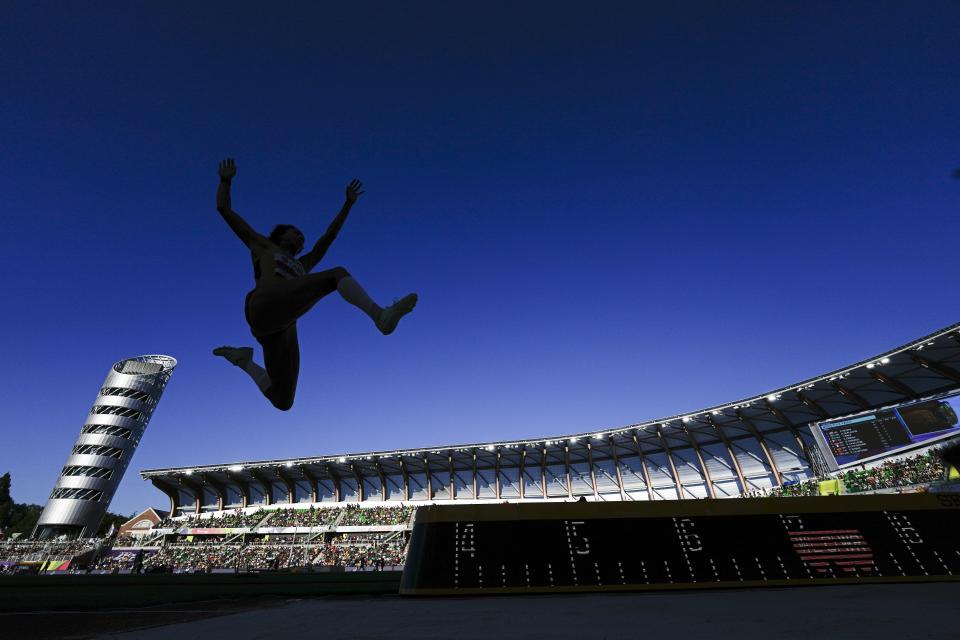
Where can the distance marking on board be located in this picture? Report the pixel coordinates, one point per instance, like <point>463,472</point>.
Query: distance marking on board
<point>783,568</point>
<point>943,562</point>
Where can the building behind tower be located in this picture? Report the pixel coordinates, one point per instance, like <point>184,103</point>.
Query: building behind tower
<point>107,441</point>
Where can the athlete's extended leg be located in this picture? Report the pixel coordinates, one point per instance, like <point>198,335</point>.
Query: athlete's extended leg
<point>385,319</point>
<point>293,298</point>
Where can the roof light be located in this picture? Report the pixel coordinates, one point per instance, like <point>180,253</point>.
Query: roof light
<point>772,397</point>
<point>236,467</point>
<point>288,464</point>
<point>686,419</point>
<point>341,459</point>
<point>884,360</point>
<point>598,436</point>
<point>188,471</point>
<point>716,413</point>
<point>871,365</point>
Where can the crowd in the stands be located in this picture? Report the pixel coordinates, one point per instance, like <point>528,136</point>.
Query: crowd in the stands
<point>356,551</point>
<point>353,515</point>
<point>309,517</point>
<point>32,550</point>
<point>192,559</point>
<point>362,552</point>
<point>236,519</point>
<point>920,469</point>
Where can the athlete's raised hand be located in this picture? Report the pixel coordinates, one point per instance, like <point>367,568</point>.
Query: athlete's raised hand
<point>228,169</point>
<point>354,190</point>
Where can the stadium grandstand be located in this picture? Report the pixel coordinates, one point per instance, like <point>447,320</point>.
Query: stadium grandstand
<point>757,445</point>
<point>871,427</point>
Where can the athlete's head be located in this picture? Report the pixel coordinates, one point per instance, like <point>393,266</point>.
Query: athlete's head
<point>288,238</point>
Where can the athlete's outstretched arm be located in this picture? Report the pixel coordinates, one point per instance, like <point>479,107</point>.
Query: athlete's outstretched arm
<point>309,260</point>
<point>227,171</point>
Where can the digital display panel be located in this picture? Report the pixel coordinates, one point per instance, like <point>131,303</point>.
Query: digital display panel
<point>858,438</point>
<point>669,544</point>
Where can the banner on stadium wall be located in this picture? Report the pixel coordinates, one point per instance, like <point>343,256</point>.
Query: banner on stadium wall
<point>206,532</point>
<point>55,565</point>
<point>293,530</point>
<point>954,473</point>
<point>872,435</point>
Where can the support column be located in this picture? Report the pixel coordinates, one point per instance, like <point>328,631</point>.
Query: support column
<point>793,429</point>
<point>643,466</point>
<point>730,452</point>
<point>703,465</point>
<point>335,477</point>
<point>593,473</point>
<point>543,472</point>
<point>763,445</point>
<point>406,480</point>
<point>673,467</point>
<point>426,472</point>
<point>267,487</point>
<point>451,487</point>
<point>383,479</point>
<point>475,474</point>
<point>616,466</point>
<point>219,489</point>
<point>359,479</point>
<point>314,489</point>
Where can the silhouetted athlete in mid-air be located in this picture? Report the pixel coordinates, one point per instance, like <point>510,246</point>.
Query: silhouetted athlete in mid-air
<point>285,290</point>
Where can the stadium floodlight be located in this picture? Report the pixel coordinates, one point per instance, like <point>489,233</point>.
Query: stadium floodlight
<point>289,464</point>
<point>686,419</point>
<point>188,471</point>
<point>871,365</point>
<point>884,360</point>
<point>236,467</point>
<point>772,397</point>
<point>341,459</point>
<point>489,447</point>
<point>715,412</point>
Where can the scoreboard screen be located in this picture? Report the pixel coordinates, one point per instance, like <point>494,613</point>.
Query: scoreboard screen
<point>853,440</point>
<point>682,544</point>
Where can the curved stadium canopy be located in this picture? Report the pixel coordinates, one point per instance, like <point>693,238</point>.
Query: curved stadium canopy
<point>721,451</point>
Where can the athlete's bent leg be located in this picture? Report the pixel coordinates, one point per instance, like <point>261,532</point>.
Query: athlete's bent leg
<point>243,357</point>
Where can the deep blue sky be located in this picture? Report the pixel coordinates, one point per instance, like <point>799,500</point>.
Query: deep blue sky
<point>612,212</point>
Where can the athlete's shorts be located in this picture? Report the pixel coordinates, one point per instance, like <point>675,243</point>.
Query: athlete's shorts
<point>255,307</point>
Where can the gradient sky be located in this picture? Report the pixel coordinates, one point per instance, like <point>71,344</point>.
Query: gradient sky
<point>612,212</point>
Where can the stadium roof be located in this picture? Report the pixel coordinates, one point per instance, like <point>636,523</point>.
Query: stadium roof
<point>761,435</point>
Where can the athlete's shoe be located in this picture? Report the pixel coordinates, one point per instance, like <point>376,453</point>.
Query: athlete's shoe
<point>390,317</point>
<point>238,356</point>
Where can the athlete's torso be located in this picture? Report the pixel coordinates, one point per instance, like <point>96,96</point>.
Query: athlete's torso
<point>272,264</point>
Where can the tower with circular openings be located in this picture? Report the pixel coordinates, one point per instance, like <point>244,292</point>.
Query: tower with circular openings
<point>107,441</point>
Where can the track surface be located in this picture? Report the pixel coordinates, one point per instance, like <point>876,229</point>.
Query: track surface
<point>878,612</point>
